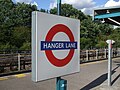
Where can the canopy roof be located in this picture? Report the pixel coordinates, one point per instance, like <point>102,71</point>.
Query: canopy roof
<point>109,15</point>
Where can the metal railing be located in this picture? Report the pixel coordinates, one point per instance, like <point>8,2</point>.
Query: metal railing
<point>21,60</point>
<point>98,54</point>
<point>17,61</point>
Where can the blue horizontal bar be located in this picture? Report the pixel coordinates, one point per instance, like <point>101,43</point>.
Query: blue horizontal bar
<point>108,15</point>
<point>58,45</point>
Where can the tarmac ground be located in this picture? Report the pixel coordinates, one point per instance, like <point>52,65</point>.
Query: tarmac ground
<point>92,76</point>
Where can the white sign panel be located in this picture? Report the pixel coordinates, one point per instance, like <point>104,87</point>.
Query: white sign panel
<point>55,46</point>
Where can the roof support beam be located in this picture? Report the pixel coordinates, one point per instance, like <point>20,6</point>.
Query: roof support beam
<point>108,15</point>
<point>114,21</point>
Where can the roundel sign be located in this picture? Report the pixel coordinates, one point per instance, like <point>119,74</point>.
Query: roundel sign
<point>55,46</point>
<point>50,45</point>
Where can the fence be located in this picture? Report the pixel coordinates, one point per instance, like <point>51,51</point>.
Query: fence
<point>13,61</point>
<point>98,54</point>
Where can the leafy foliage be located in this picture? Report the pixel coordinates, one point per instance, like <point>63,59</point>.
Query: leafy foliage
<point>26,46</point>
<point>21,35</point>
<point>15,26</point>
<point>68,10</point>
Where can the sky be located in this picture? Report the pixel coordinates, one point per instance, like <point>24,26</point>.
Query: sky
<point>85,6</point>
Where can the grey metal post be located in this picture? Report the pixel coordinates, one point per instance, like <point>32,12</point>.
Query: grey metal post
<point>109,64</point>
<point>58,79</point>
<point>87,55</point>
<point>118,52</point>
<point>59,7</point>
<point>110,42</point>
<point>96,53</point>
<point>18,62</point>
<point>111,53</point>
<point>105,53</point>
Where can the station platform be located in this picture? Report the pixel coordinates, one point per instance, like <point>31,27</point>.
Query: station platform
<point>92,76</point>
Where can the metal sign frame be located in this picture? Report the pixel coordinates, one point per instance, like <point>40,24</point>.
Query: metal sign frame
<point>109,15</point>
<point>42,24</point>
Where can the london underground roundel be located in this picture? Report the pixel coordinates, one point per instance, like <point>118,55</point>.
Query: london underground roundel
<point>48,45</point>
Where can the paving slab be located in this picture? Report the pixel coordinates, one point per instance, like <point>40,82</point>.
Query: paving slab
<point>92,76</point>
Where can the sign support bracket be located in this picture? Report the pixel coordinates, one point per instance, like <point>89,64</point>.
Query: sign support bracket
<point>60,83</point>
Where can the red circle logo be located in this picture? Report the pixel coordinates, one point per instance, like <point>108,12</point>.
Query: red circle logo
<point>52,59</point>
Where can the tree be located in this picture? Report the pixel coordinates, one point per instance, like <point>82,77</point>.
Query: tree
<point>85,43</point>
<point>101,44</point>
<point>12,17</point>
<point>15,26</point>
<point>42,10</point>
<point>6,21</point>
<point>21,35</point>
<point>23,14</point>
<point>26,46</point>
<point>6,11</point>
<point>68,10</point>
<point>116,37</point>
